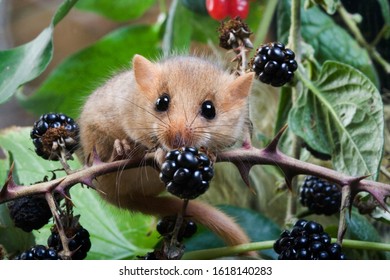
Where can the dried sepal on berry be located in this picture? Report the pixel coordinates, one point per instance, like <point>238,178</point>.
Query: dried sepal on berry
<point>232,32</point>
<point>55,136</point>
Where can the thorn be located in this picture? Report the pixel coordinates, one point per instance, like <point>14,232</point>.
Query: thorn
<point>9,184</point>
<point>273,145</point>
<point>355,180</point>
<point>11,170</point>
<point>244,172</point>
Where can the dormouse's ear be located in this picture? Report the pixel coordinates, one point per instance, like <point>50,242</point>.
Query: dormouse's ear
<point>146,73</point>
<point>240,88</point>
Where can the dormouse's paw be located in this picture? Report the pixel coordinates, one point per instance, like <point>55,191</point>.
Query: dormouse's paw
<point>123,149</point>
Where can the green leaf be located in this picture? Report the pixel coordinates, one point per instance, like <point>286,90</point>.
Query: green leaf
<point>30,167</point>
<point>66,87</point>
<point>196,6</point>
<point>24,63</point>
<point>385,8</point>
<point>119,10</point>
<point>342,115</point>
<point>115,234</point>
<point>330,41</point>
<point>360,228</point>
<point>258,227</point>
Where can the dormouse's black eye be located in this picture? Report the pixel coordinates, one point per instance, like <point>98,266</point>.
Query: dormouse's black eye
<point>162,103</point>
<point>208,110</point>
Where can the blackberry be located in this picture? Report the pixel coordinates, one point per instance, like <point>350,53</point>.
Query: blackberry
<point>29,212</point>
<point>166,226</point>
<point>307,241</point>
<point>274,64</point>
<point>320,196</point>
<point>79,241</point>
<point>39,252</point>
<point>52,132</point>
<point>186,172</point>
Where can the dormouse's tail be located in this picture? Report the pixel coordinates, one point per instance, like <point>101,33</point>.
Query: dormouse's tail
<point>202,213</point>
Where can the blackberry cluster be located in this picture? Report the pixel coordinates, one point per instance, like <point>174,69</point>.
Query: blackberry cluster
<point>30,212</point>
<point>186,172</point>
<point>320,196</point>
<point>52,129</point>
<point>79,242</point>
<point>274,64</point>
<point>307,241</point>
<point>39,252</point>
<point>166,226</point>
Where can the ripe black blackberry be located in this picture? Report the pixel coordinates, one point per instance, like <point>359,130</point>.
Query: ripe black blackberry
<point>307,241</point>
<point>320,196</point>
<point>39,252</point>
<point>274,64</point>
<point>186,172</point>
<point>51,133</point>
<point>166,226</point>
<point>79,242</point>
<point>29,212</point>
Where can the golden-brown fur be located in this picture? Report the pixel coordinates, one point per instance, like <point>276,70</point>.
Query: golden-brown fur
<point>124,109</point>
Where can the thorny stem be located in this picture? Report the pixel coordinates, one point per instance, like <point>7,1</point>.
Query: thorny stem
<point>244,158</point>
